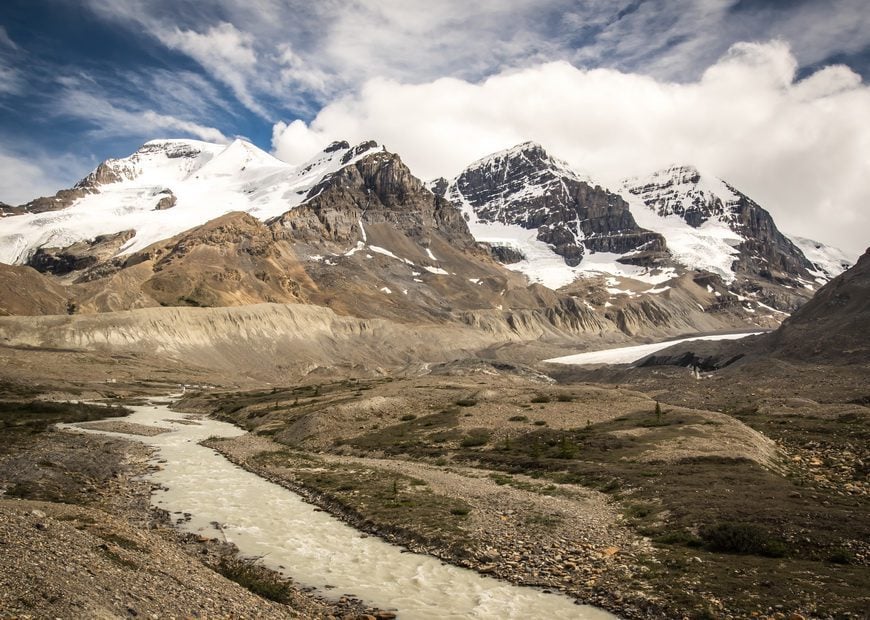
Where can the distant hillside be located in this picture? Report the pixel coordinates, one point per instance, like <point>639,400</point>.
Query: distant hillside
<point>834,325</point>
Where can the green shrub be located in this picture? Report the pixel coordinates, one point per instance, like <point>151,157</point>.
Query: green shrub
<point>840,556</point>
<point>541,398</point>
<point>518,418</point>
<point>408,417</point>
<point>638,511</point>
<point>612,485</point>
<point>475,439</point>
<point>540,422</point>
<point>678,537</point>
<point>747,538</point>
<point>466,402</point>
<point>257,579</point>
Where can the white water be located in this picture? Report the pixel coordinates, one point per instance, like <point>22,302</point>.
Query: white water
<point>315,549</point>
<point>627,355</point>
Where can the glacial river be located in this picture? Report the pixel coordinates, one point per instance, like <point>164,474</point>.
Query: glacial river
<point>315,549</point>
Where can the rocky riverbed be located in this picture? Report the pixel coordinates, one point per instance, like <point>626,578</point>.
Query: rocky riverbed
<point>79,538</point>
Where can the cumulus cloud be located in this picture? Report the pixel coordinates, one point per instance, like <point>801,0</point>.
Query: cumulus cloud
<point>310,52</point>
<point>800,148</point>
<point>295,142</point>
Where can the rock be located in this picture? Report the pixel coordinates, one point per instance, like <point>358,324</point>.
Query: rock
<point>167,202</point>
<point>79,256</point>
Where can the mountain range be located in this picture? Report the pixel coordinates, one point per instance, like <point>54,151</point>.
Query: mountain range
<point>518,244</point>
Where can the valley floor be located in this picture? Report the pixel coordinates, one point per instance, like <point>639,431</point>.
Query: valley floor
<point>646,492</point>
<point>736,495</point>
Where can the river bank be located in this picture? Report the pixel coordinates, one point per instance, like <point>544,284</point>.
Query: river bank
<point>571,544</point>
<point>80,538</point>
<point>461,464</point>
<point>475,468</point>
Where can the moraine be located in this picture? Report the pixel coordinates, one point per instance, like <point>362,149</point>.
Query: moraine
<point>266,520</point>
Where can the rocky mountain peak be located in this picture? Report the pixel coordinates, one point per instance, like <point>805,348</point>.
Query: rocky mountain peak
<point>508,172</point>
<point>378,188</point>
<point>683,191</point>
<point>761,254</point>
<point>526,187</point>
<point>338,145</point>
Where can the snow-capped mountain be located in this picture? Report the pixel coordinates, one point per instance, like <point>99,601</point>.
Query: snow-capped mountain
<point>534,205</point>
<point>561,225</point>
<point>720,213</point>
<point>182,222</point>
<point>827,262</point>
<point>165,188</point>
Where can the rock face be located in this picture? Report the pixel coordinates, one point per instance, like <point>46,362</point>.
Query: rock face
<point>167,202</point>
<point>6,209</point>
<point>378,189</point>
<point>79,256</point>
<point>527,187</point>
<point>761,251</point>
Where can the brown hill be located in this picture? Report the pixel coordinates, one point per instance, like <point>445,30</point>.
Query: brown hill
<point>833,326</point>
<point>25,291</point>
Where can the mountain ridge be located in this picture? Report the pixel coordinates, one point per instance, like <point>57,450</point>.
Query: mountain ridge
<point>185,222</point>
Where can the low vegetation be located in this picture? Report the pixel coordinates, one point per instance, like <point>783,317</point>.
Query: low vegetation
<point>20,419</point>
<point>386,499</point>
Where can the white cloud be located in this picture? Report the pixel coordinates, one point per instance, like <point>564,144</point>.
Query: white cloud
<point>294,142</point>
<point>801,148</point>
<point>10,79</point>
<point>6,40</point>
<point>124,118</point>
<point>24,177</point>
<point>296,55</point>
<point>224,51</point>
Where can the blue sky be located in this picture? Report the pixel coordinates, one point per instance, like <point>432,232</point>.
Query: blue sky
<point>84,80</point>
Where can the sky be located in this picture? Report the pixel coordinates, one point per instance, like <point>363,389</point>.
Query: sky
<point>771,95</point>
